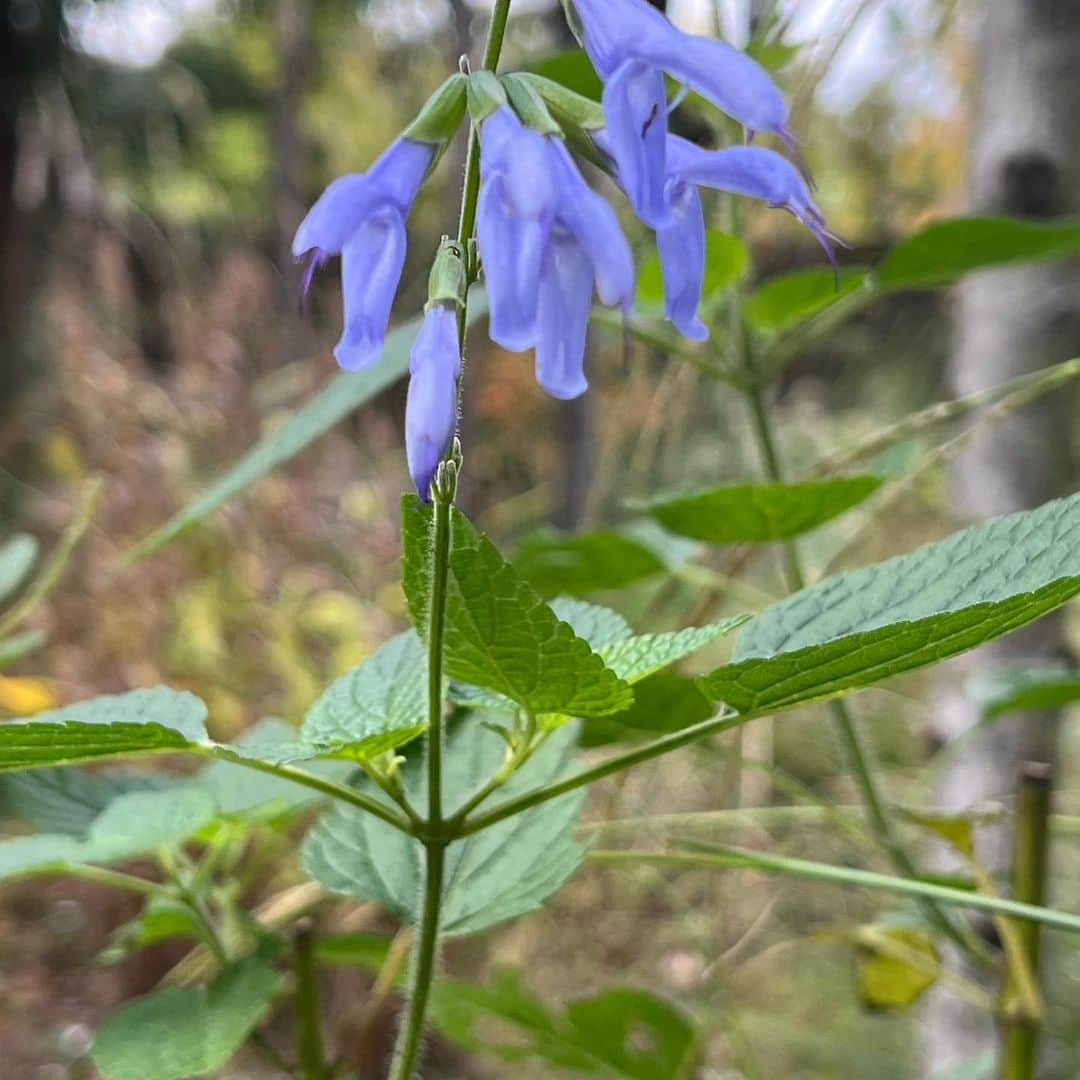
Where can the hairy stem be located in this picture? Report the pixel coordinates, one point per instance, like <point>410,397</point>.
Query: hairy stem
<point>435,836</point>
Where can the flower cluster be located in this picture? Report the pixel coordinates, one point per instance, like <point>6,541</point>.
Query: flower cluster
<point>546,240</point>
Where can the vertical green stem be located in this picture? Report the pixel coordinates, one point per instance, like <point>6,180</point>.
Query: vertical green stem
<point>434,836</point>
<point>1030,859</point>
<point>312,1060</point>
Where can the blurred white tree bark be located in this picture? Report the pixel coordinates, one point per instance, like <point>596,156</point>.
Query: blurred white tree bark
<point>1025,162</point>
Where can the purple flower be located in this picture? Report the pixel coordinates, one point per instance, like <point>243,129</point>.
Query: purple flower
<point>361,217</point>
<point>631,44</point>
<point>546,238</point>
<point>681,246</point>
<point>513,223</point>
<point>754,171</point>
<point>431,405</point>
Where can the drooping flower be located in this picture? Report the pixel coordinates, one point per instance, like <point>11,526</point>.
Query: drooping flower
<point>431,404</point>
<point>361,217</point>
<point>741,170</point>
<point>631,44</point>
<point>513,223</point>
<point>546,238</point>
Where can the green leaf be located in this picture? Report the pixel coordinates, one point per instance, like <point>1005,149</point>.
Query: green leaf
<point>586,562</point>
<point>162,919</point>
<point>345,393</point>
<point>140,721</point>
<point>958,830</point>
<point>758,513</point>
<point>184,1032</point>
<point>663,703</point>
<point>499,634</point>
<point>1025,685</point>
<point>788,299</point>
<point>239,790</point>
<point>598,625</point>
<point>894,965</point>
<point>17,557</point>
<point>31,854</point>
<point>726,260</point>
<point>353,950</point>
<point>67,800</point>
<point>945,251</point>
<point>571,69</point>
<point>620,1032</point>
<point>377,706</point>
<point>498,874</point>
<point>858,628</point>
<point>635,658</point>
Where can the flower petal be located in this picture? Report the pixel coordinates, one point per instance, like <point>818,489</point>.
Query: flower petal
<point>682,258</point>
<point>393,179</point>
<point>613,26</point>
<point>563,320</point>
<point>754,171</point>
<point>591,219</point>
<point>431,404</point>
<point>512,247</point>
<point>371,267</point>
<point>635,115</point>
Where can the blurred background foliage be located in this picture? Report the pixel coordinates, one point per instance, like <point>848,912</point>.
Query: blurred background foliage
<point>155,159</point>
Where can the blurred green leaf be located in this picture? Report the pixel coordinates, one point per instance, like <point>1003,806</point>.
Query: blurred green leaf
<point>958,830</point>
<point>345,393</point>
<point>17,557</point>
<point>499,634</point>
<point>501,873</point>
<point>894,965</point>
<point>945,251</point>
<point>598,625</point>
<point>1034,684</point>
<point>663,702</point>
<point>726,260</point>
<point>772,55</point>
<point>554,563</point>
<point>183,1032</point>
<point>619,1032</point>
<point>759,513</point>
<point>790,298</point>
<point>571,69</point>
<point>858,628</point>
<point>377,706</point>
<point>353,950</point>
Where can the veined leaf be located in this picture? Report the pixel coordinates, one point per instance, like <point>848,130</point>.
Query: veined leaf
<point>760,512</point>
<point>788,299</point>
<point>377,706</point>
<point>345,393</point>
<point>858,628</point>
<point>635,658</point>
<point>498,874</point>
<point>182,1032</point>
<point>138,722</point>
<point>500,635</point>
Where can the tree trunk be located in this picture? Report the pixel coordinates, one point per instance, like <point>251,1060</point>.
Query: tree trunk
<point>1025,162</point>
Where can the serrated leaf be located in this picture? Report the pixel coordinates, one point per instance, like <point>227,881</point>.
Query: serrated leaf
<point>759,513</point>
<point>499,634</point>
<point>140,721</point>
<point>945,251</point>
<point>894,965</point>
<point>142,820</point>
<point>858,628</point>
<point>635,658</point>
<point>376,706</point>
<point>498,874</point>
<point>598,625</point>
<point>788,299</point>
<point>620,1032</point>
<point>1033,684</point>
<point>553,563</point>
<point>184,1032</point>
<point>17,557</point>
<point>345,393</point>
